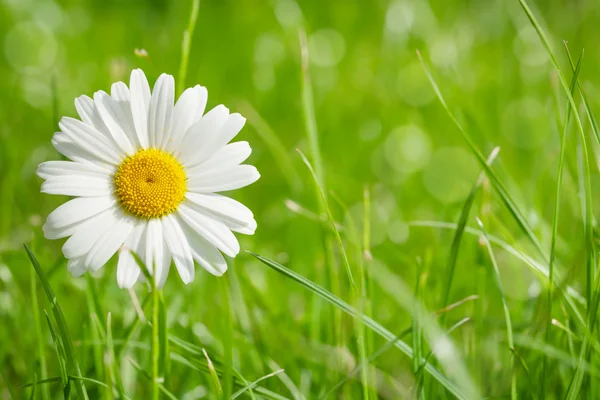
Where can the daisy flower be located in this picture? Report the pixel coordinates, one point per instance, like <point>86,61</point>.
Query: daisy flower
<point>145,174</point>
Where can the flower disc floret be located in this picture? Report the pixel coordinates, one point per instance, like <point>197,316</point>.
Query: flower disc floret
<point>150,184</point>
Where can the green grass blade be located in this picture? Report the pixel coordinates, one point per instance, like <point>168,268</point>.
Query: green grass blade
<point>11,394</point>
<point>111,361</point>
<point>494,180</point>
<point>139,368</point>
<point>186,43</point>
<point>417,333</point>
<point>458,234</point>
<point>254,384</point>
<point>163,349</point>
<point>325,206</point>
<point>227,337</point>
<point>308,107</point>
<point>134,325</point>
<point>277,149</point>
<point>388,345</point>
<point>561,163</point>
<point>216,383</point>
<point>61,357</point>
<point>509,330</point>
<point>71,358</point>
<point>448,355</point>
<point>38,334</point>
<point>372,324</point>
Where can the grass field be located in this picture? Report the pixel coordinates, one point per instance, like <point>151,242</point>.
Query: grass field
<point>449,249</point>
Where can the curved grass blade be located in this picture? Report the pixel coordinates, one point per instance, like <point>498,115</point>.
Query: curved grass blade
<point>494,180</point>
<point>462,223</point>
<point>274,144</point>
<point>325,206</point>
<point>509,331</point>
<point>388,345</point>
<point>575,386</point>
<point>60,354</point>
<point>71,359</point>
<point>253,384</point>
<point>372,324</point>
<point>443,347</point>
<point>149,377</point>
<point>561,163</point>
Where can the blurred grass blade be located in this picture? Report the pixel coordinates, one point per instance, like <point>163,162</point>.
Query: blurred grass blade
<point>458,234</point>
<point>325,206</point>
<point>185,46</point>
<point>227,337</point>
<point>372,324</point>
<point>139,368</point>
<point>536,266</point>
<point>253,384</point>
<point>417,333</point>
<point>110,361</point>
<point>71,359</point>
<point>61,357</point>
<point>559,178</point>
<point>11,394</point>
<point>287,381</point>
<point>509,330</point>
<point>443,347</point>
<point>308,106</point>
<point>163,353</point>
<point>216,383</point>
<point>39,338</point>
<point>494,180</point>
<point>575,386</point>
<point>386,346</point>
<point>277,149</point>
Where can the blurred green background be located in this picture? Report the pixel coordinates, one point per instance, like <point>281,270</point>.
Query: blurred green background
<point>381,131</point>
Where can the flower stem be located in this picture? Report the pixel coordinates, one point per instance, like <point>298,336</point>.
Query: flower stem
<point>155,341</point>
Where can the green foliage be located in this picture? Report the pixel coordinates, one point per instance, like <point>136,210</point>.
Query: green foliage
<point>374,278</point>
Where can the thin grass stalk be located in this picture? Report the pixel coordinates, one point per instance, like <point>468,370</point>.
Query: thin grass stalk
<point>186,43</point>
<point>155,341</point>
<point>509,330</point>
<point>551,264</point>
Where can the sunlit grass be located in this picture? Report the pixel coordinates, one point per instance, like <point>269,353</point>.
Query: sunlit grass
<point>377,270</point>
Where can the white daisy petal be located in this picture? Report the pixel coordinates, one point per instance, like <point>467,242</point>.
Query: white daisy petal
<point>87,233</point>
<point>50,169</point>
<point>228,155</point>
<point>221,180</point>
<point>161,110</point>
<point>219,138</point>
<point>188,110</point>
<point>110,241</point>
<point>179,248</point>
<point>76,266</point>
<point>78,185</point>
<point>115,120</point>
<point>192,149</point>
<point>89,139</point>
<point>89,114</point>
<point>74,152</point>
<point>234,214</point>
<point>205,254</point>
<point>140,103</point>
<point>128,270</point>
<point>156,251</point>
<point>210,229</point>
<point>62,220</point>
<point>122,96</point>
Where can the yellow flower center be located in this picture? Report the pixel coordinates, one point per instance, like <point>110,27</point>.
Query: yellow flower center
<point>150,183</point>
